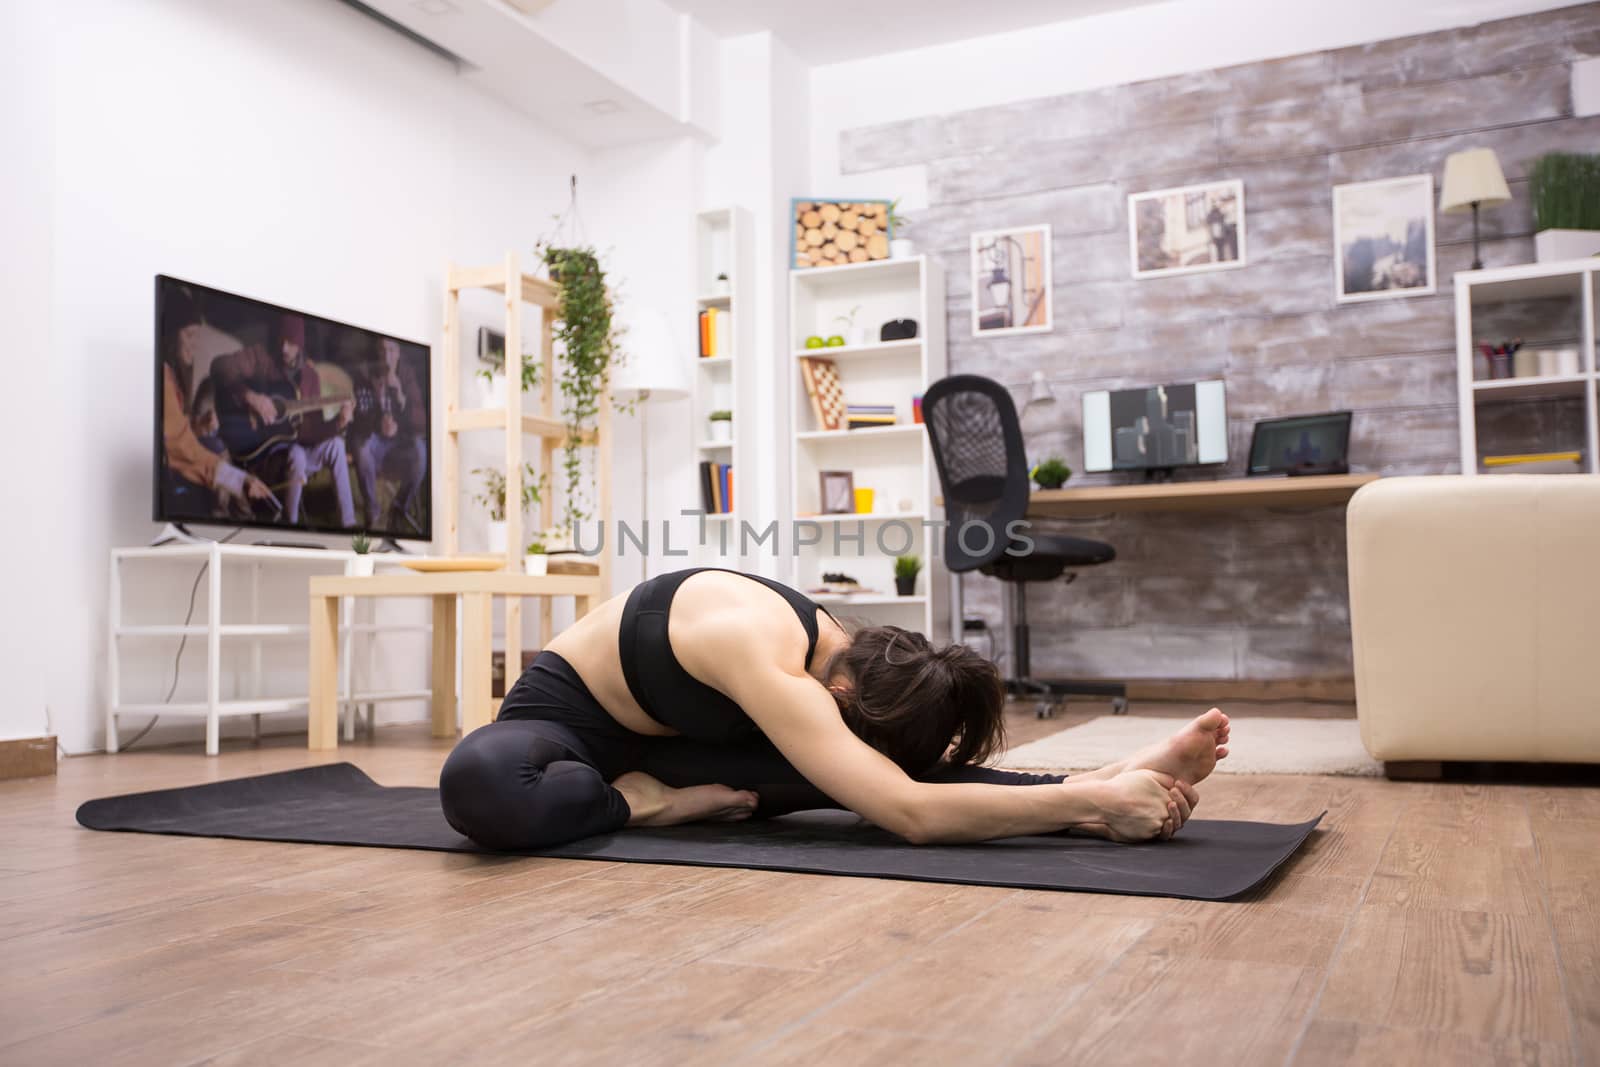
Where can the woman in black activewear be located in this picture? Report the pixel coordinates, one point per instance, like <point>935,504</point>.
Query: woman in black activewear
<point>709,694</point>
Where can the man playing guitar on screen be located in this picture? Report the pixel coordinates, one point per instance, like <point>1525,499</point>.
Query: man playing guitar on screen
<point>271,402</point>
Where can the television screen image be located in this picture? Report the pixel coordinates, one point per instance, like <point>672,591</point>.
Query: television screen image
<point>271,417</point>
<point>1158,428</point>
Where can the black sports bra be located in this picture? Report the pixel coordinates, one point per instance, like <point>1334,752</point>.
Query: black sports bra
<point>671,695</point>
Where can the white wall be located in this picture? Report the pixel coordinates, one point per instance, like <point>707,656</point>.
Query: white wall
<point>296,152</point>
<point>34,491</point>
<point>758,164</point>
<point>1115,48</point>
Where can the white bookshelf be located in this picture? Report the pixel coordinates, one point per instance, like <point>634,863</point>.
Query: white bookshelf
<point>725,241</point>
<point>894,461</point>
<point>1578,281</point>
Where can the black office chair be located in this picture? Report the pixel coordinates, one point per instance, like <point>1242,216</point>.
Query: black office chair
<point>983,472</point>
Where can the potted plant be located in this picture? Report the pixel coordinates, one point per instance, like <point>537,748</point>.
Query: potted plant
<point>900,246</point>
<point>493,497</point>
<point>906,569</point>
<point>361,566</point>
<point>722,286</point>
<point>588,342</point>
<point>853,334</point>
<point>536,561</point>
<point>1051,473</point>
<point>492,379</point>
<point>721,428</point>
<point>1565,188</point>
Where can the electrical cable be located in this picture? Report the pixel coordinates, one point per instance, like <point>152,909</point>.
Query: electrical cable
<point>177,660</point>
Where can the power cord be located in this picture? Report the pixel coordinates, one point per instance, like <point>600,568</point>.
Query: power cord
<point>177,660</point>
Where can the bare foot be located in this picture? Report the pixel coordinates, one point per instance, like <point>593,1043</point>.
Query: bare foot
<point>653,804</point>
<point>1190,754</point>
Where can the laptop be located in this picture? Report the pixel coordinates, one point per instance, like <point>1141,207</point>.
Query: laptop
<point>1302,444</point>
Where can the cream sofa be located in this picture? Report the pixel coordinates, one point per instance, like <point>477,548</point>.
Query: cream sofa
<point>1475,612</point>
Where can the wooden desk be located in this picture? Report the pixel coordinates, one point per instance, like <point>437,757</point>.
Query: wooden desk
<point>1223,494</point>
<point>476,591</point>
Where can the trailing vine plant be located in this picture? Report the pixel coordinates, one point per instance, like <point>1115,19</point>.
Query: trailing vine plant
<point>588,344</point>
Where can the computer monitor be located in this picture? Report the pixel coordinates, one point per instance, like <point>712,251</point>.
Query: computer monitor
<point>1155,429</point>
<point>1302,444</point>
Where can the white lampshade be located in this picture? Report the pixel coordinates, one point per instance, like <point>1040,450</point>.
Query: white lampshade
<point>654,363</point>
<point>1473,177</point>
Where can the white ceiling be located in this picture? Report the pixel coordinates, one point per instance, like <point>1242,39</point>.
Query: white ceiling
<point>831,31</point>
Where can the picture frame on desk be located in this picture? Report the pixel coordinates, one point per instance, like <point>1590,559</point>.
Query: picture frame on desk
<point>838,492</point>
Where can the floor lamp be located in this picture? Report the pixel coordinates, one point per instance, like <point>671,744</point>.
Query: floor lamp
<point>654,371</point>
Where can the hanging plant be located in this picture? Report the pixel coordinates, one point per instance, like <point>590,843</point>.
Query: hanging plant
<point>588,343</point>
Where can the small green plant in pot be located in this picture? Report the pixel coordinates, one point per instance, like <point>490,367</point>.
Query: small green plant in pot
<point>493,497</point>
<point>900,245</point>
<point>721,426</point>
<point>1051,473</point>
<point>536,561</point>
<point>906,569</point>
<point>362,565</point>
<point>1565,188</point>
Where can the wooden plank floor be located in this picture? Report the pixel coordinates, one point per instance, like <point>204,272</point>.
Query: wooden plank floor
<point>1428,923</point>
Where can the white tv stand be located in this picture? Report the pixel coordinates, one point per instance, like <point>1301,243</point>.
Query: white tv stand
<point>300,564</point>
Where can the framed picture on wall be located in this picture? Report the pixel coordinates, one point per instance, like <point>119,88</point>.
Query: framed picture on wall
<point>1011,281</point>
<point>1383,239</point>
<point>1187,229</point>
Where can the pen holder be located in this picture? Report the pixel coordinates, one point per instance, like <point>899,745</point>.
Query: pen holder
<point>1499,365</point>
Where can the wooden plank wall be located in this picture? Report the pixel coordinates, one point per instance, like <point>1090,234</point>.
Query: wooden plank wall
<point>1247,595</point>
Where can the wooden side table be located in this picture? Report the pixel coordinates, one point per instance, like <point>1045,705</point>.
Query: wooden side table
<point>475,591</point>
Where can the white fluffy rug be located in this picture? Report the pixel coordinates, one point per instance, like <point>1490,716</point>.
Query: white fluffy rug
<point>1258,746</point>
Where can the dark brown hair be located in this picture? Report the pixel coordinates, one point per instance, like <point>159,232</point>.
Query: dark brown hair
<point>912,701</point>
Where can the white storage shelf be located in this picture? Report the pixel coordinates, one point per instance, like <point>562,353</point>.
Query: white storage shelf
<point>215,556</point>
<point>724,243</point>
<point>893,461</point>
<point>1478,290</point>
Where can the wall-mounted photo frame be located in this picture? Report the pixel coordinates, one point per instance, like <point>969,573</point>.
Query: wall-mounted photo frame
<point>837,233</point>
<point>1187,229</point>
<point>1383,239</point>
<point>491,347</point>
<point>1011,281</point>
<point>838,492</point>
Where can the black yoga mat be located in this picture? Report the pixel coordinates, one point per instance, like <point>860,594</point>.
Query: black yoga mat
<point>337,804</point>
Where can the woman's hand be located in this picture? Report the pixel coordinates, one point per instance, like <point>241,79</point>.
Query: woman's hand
<point>1141,805</point>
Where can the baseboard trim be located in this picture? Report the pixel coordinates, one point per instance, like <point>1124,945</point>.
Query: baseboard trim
<point>29,757</point>
<point>1218,690</point>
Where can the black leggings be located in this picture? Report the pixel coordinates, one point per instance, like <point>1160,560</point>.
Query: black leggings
<point>539,775</point>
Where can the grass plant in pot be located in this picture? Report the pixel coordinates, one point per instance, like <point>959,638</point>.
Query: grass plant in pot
<point>361,566</point>
<point>906,569</point>
<point>1051,473</point>
<point>1565,187</point>
<point>720,426</point>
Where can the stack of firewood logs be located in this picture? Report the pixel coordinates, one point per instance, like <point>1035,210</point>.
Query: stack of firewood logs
<point>826,233</point>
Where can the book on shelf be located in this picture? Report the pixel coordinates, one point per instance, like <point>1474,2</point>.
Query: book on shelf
<point>716,487</point>
<point>716,333</point>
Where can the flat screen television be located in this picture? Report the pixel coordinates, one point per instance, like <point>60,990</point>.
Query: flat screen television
<point>270,417</point>
<point>1155,429</point>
